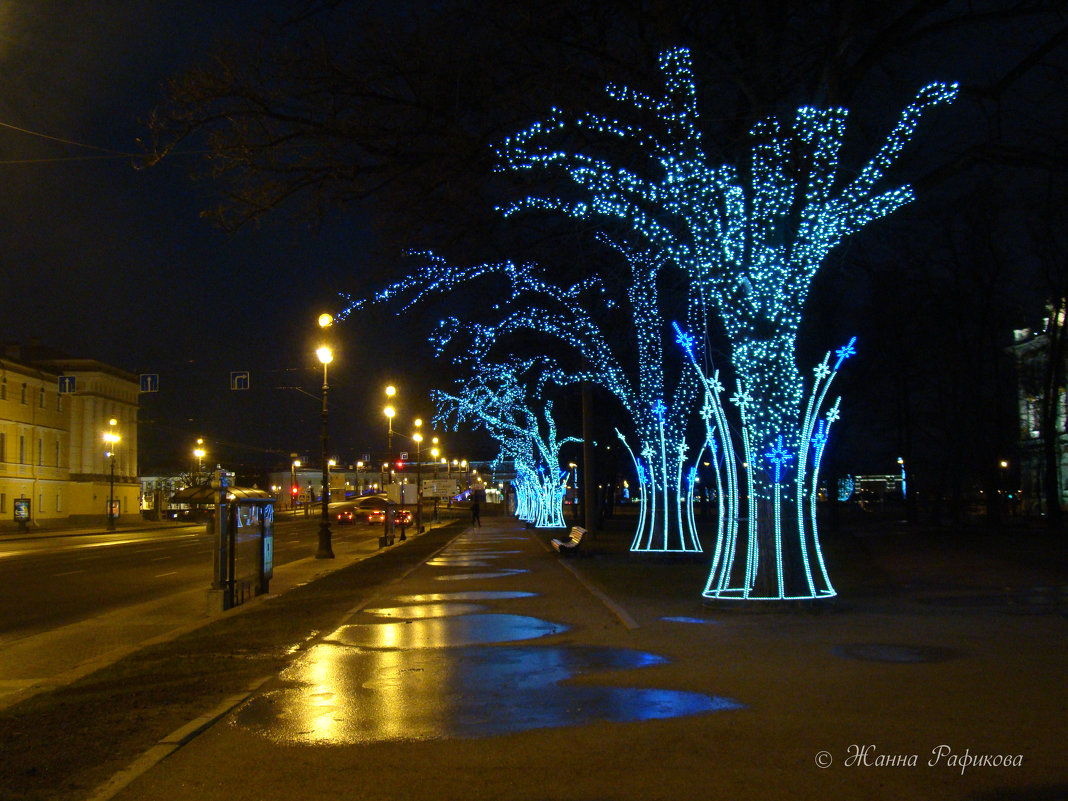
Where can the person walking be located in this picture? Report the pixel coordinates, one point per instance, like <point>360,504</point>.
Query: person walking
<point>476,522</point>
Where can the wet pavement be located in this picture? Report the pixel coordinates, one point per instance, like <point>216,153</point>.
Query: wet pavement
<point>427,674</point>
<point>491,671</point>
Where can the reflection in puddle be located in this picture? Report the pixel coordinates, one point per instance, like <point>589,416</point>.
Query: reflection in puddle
<point>465,562</point>
<point>483,575</point>
<point>447,632</point>
<point>420,611</point>
<point>342,695</point>
<point>463,595</point>
<point>687,620</point>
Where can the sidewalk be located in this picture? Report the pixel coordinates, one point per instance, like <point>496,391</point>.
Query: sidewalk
<point>495,670</point>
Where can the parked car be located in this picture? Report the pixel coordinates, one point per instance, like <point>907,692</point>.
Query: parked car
<point>402,517</point>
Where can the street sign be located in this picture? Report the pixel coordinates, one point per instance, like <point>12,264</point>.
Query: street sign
<point>66,384</point>
<point>440,487</point>
<point>239,379</point>
<point>404,456</point>
<point>150,382</point>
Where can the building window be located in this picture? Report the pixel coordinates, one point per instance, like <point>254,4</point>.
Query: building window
<point>40,503</point>
<point>40,452</point>
<point>22,449</point>
<point>3,503</point>
<point>57,456</point>
<point>59,401</point>
<point>24,393</point>
<point>3,447</point>
<point>40,403</point>
<point>3,388</point>
<point>58,502</point>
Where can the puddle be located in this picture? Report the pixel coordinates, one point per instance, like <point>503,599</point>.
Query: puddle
<point>463,595</point>
<point>464,562</point>
<point>700,620</point>
<point>446,632</point>
<point>421,611</point>
<point>336,695</point>
<point>488,574</point>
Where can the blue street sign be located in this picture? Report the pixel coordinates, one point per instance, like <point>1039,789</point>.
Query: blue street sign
<point>150,382</point>
<point>66,384</point>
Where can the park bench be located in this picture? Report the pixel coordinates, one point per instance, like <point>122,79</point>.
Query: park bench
<point>571,544</point>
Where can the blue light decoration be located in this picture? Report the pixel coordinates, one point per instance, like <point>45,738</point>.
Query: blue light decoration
<point>495,399</point>
<point>846,486</point>
<point>772,490</point>
<point>751,242</point>
<point>659,413</point>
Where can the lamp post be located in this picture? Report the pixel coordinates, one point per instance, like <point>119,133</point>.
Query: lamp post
<point>112,439</point>
<point>389,411</point>
<point>200,453</point>
<point>325,356</point>
<point>418,437</point>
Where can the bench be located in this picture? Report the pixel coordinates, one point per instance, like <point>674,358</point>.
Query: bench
<point>574,539</point>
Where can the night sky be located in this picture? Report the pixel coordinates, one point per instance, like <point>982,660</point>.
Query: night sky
<point>102,258</point>
<point>106,260</point>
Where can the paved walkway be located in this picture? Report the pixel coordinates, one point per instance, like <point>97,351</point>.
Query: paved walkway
<point>494,670</point>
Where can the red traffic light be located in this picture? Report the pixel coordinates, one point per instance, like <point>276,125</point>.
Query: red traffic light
<point>400,464</point>
<point>295,489</point>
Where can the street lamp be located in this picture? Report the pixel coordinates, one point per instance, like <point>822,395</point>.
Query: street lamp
<point>325,356</point>
<point>418,437</point>
<point>200,453</point>
<point>389,411</point>
<point>112,439</point>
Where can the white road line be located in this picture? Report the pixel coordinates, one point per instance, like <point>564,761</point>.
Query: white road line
<point>164,575</point>
<point>68,573</point>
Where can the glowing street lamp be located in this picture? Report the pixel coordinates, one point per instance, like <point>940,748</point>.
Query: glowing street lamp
<point>112,439</point>
<point>389,412</point>
<point>200,453</point>
<point>326,356</point>
<point>418,437</point>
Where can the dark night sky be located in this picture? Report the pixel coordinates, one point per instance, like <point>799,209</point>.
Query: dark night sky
<point>107,261</point>
<point>104,260</point>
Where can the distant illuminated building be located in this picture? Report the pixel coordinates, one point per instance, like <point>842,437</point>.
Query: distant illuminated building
<point>1031,353</point>
<point>54,411</point>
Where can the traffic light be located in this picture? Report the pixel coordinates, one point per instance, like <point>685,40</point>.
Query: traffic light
<point>295,490</point>
<point>400,464</point>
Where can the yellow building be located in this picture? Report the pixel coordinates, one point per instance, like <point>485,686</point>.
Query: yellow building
<point>52,447</point>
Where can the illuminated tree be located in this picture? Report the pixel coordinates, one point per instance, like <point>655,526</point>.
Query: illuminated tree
<point>751,241</point>
<point>658,408</point>
<point>496,399</point>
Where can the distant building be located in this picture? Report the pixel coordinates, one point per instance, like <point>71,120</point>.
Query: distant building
<point>1030,350</point>
<point>54,412</point>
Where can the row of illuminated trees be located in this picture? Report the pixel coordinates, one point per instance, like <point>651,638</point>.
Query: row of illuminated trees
<point>698,250</point>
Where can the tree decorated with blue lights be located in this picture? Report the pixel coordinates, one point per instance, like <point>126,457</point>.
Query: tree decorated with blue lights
<point>574,316</point>
<point>521,420</point>
<point>750,240</point>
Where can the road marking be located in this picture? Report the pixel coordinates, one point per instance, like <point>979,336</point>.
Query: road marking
<point>68,573</point>
<point>161,558</point>
<point>164,575</point>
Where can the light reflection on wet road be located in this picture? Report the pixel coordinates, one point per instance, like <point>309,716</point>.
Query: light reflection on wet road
<point>439,668</point>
